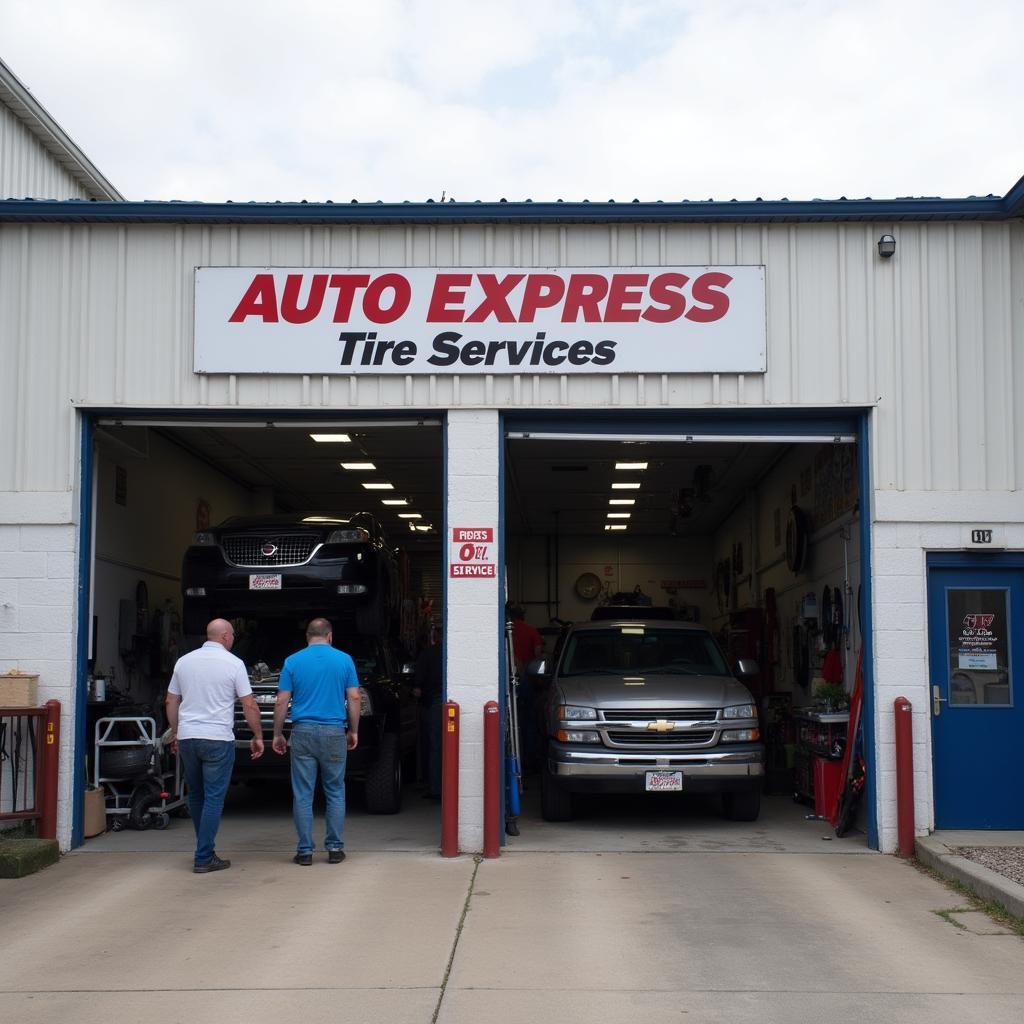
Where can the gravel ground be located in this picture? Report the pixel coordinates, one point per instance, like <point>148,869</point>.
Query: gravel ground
<point>1007,861</point>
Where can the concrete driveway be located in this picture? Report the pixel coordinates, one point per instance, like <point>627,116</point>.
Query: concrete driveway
<point>653,917</point>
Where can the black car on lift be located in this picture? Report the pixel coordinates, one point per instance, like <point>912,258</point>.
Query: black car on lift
<point>272,565</point>
<point>387,721</point>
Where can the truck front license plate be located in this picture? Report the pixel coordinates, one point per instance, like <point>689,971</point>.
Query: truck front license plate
<point>265,581</point>
<point>664,782</point>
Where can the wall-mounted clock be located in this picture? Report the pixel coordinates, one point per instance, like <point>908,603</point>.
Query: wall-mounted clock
<point>588,586</point>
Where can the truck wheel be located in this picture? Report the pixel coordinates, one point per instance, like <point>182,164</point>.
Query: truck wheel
<point>744,806</point>
<point>555,802</point>
<point>384,779</point>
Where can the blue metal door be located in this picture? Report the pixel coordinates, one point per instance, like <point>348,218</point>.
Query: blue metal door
<point>975,645</point>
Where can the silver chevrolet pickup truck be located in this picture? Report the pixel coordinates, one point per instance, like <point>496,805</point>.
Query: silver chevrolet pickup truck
<point>637,706</point>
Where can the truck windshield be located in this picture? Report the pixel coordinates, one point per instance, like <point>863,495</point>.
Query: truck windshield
<point>645,649</point>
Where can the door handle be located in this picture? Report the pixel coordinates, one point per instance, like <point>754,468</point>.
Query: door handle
<point>937,701</point>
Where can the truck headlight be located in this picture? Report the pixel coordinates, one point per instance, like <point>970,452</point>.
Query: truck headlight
<point>574,713</point>
<point>357,536</point>
<point>741,735</point>
<point>577,736</point>
<point>740,711</point>
<point>204,539</point>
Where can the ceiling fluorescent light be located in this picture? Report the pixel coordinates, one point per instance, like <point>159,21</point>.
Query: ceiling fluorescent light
<point>625,487</point>
<point>622,501</point>
<point>358,465</point>
<point>614,526</point>
<point>332,438</point>
<point>409,515</point>
<point>630,465</point>
<point>379,487</point>
<point>394,501</point>
<point>619,515</point>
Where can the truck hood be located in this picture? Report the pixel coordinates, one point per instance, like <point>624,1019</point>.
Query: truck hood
<point>651,691</point>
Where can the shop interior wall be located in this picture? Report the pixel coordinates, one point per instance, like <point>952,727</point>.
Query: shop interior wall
<point>669,570</point>
<point>151,496</point>
<point>822,481</point>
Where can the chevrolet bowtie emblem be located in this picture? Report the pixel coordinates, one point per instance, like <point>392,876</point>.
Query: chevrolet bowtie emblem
<point>661,726</point>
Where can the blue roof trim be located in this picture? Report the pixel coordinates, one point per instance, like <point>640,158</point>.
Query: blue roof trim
<point>528,212</point>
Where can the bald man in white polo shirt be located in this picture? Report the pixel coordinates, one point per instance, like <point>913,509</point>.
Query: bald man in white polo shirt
<point>201,715</point>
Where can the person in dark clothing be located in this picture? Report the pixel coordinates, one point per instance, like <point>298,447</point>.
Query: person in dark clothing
<point>428,686</point>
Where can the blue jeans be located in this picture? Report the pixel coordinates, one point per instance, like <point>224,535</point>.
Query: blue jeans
<point>207,765</point>
<point>314,746</point>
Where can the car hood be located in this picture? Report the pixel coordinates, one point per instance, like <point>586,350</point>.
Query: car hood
<point>651,691</point>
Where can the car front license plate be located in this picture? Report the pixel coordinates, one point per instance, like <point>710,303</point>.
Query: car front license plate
<point>265,581</point>
<point>664,782</point>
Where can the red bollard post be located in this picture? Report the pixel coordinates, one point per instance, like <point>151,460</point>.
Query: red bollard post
<point>904,777</point>
<point>492,779</point>
<point>450,780</point>
<point>46,780</point>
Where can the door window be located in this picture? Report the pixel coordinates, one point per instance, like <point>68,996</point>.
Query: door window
<point>979,646</point>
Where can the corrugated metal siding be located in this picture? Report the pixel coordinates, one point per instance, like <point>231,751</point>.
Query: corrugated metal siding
<point>27,169</point>
<point>102,315</point>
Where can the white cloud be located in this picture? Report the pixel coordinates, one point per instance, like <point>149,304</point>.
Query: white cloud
<point>562,98</point>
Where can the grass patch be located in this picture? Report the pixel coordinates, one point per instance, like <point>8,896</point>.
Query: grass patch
<point>995,910</point>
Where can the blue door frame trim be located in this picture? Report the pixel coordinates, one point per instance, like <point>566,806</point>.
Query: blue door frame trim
<point>81,674</point>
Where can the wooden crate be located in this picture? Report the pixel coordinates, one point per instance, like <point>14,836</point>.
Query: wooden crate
<point>19,689</point>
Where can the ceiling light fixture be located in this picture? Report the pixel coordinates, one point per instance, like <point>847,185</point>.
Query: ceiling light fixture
<point>615,526</point>
<point>379,487</point>
<point>394,501</point>
<point>619,515</point>
<point>358,465</point>
<point>409,515</point>
<point>332,438</point>
<point>630,465</point>
<point>622,501</point>
<point>625,487</point>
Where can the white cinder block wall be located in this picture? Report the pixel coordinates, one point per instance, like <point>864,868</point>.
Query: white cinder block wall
<point>472,610</point>
<point>38,612</point>
<point>907,525</point>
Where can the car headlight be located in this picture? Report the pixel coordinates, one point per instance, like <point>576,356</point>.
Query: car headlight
<point>577,736</point>
<point>741,735</point>
<point>574,713</point>
<point>740,711</point>
<point>365,703</point>
<point>204,539</point>
<point>357,536</point>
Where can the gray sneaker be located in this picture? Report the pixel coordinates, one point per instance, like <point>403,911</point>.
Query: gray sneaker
<point>214,865</point>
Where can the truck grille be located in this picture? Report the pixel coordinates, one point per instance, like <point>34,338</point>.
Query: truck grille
<point>669,714</point>
<point>675,738</point>
<point>246,550</point>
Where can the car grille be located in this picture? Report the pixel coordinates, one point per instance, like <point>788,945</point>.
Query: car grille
<point>669,714</point>
<point>677,737</point>
<point>245,550</point>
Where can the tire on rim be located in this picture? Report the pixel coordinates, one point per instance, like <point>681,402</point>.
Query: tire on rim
<point>555,802</point>
<point>745,806</point>
<point>384,778</point>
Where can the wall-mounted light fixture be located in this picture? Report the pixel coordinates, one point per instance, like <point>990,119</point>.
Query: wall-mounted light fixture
<point>886,246</point>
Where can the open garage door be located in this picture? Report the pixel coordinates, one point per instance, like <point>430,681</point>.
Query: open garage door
<point>745,531</point>
<point>266,522</point>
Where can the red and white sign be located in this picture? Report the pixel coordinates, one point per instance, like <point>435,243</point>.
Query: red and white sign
<point>480,320</point>
<point>473,553</point>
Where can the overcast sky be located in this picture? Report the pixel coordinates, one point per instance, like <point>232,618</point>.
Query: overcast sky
<point>541,99</point>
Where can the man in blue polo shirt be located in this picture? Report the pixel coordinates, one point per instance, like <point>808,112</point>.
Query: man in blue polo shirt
<point>321,683</point>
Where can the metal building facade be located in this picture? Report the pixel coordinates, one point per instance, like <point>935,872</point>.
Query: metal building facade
<point>98,314</point>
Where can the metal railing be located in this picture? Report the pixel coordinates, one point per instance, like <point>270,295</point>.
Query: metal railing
<point>29,759</point>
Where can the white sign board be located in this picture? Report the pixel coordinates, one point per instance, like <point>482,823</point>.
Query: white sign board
<point>480,320</point>
<point>473,554</point>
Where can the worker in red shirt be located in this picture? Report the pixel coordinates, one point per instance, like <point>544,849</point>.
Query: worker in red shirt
<point>527,644</point>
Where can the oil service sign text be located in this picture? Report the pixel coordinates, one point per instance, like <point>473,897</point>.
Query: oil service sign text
<point>473,554</point>
<point>470,320</point>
